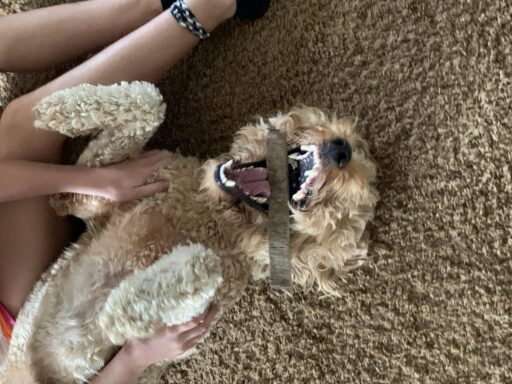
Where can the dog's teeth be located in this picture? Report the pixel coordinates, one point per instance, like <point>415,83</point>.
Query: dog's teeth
<point>311,174</point>
<point>307,148</point>
<point>230,183</point>
<point>258,199</point>
<point>229,164</point>
<point>294,156</point>
<point>222,175</point>
<point>300,195</point>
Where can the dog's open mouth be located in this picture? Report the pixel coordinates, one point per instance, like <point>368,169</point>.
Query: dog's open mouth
<point>248,182</point>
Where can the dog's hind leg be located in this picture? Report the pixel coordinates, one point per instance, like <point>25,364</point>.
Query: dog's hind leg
<point>126,110</point>
<point>121,118</point>
<point>177,287</point>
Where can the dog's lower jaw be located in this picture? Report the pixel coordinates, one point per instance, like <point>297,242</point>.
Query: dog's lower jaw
<point>209,186</point>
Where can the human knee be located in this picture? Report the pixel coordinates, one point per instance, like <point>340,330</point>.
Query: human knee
<point>12,110</point>
<point>12,133</point>
<point>21,141</point>
<point>9,117</point>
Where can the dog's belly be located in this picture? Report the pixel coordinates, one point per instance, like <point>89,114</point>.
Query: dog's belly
<point>67,343</point>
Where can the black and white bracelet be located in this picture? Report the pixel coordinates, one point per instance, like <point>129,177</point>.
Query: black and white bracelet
<point>186,19</point>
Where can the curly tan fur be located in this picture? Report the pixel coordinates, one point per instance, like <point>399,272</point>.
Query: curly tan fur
<point>93,300</point>
<point>329,238</point>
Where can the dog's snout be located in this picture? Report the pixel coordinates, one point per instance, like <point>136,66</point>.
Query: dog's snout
<point>337,152</point>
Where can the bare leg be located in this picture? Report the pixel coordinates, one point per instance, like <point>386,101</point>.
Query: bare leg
<point>145,54</point>
<point>45,37</point>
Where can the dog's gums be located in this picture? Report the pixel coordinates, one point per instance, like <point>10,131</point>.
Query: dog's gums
<point>248,182</point>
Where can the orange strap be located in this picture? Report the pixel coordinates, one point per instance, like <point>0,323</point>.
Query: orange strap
<point>6,329</point>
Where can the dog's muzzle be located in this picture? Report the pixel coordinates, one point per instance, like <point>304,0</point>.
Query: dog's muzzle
<point>248,182</point>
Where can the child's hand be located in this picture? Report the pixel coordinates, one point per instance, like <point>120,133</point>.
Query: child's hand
<point>127,180</point>
<point>169,342</point>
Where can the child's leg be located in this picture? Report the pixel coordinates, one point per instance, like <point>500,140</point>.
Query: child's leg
<point>39,236</point>
<point>145,54</point>
<point>45,37</point>
<point>31,237</point>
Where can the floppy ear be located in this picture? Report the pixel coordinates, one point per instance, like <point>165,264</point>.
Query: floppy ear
<point>299,121</point>
<point>324,264</point>
<point>250,142</point>
<point>331,240</point>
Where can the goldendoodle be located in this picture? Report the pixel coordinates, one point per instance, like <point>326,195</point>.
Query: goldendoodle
<point>164,259</point>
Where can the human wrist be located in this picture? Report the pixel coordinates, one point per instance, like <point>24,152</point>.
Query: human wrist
<point>103,182</point>
<point>83,180</point>
<point>130,358</point>
<point>120,370</point>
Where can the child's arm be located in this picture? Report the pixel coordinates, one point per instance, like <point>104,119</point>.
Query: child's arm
<point>120,182</point>
<point>167,343</point>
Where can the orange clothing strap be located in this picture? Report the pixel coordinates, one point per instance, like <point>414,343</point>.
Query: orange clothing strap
<point>5,328</point>
<point>6,322</point>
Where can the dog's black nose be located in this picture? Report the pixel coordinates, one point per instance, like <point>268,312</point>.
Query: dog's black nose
<point>337,152</point>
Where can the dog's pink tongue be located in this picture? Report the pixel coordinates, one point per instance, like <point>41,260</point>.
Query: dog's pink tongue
<point>254,181</point>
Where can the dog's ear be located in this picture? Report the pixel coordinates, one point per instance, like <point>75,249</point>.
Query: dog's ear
<point>250,142</point>
<point>299,121</point>
<point>324,262</point>
<point>325,265</point>
<point>331,239</point>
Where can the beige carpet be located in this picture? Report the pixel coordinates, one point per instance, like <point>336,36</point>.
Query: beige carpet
<point>431,85</point>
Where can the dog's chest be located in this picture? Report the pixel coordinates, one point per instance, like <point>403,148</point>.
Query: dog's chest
<point>144,232</point>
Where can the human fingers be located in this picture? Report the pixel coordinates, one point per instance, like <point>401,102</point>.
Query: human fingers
<point>159,155</point>
<point>210,315</point>
<point>197,331</point>
<point>151,189</point>
<point>148,159</point>
<point>150,153</point>
<point>162,161</point>
<point>202,318</point>
<point>147,166</point>
<point>191,344</point>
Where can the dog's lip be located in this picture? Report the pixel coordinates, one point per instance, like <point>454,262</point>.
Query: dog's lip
<point>303,168</point>
<point>231,188</point>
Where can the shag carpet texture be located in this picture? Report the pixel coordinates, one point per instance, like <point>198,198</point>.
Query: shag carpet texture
<point>430,82</point>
